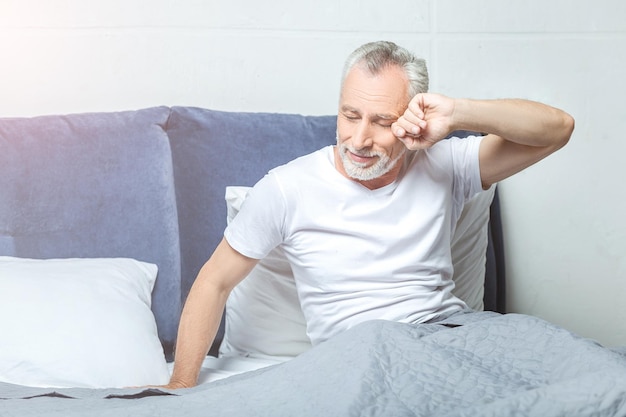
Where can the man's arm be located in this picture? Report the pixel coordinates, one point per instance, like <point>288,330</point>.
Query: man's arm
<point>519,132</point>
<point>203,310</point>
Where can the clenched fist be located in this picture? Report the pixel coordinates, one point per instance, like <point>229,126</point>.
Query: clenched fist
<point>427,119</point>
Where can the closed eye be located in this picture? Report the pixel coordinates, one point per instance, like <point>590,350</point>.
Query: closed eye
<point>352,117</point>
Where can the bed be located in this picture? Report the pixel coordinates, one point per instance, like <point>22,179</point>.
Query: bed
<point>105,219</point>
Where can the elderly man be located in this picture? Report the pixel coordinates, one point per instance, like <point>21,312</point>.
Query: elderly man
<point>366,224</point>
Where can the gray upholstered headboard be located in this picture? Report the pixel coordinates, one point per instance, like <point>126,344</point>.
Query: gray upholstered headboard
<point>149,184</point>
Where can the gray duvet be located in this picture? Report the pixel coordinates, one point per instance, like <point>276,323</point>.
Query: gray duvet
<point>490,365</point>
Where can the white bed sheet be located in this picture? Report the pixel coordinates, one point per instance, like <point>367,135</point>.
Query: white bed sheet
<point>214,369</point>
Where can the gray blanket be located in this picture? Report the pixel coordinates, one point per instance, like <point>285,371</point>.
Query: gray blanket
<point>491,365</point>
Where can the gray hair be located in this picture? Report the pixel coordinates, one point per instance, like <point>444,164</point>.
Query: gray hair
<point>376,56</point>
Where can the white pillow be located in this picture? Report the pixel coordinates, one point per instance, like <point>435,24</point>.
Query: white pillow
<point>263,315</point>
<point>79,323</point>
<point>469,246</point>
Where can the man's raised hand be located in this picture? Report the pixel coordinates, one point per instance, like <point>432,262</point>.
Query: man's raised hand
<point>427,120</point>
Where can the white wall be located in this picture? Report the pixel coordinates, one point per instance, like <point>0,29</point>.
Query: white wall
<point>565,232</point>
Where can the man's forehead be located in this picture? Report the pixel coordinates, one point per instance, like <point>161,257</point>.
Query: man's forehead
<point>386,92</point>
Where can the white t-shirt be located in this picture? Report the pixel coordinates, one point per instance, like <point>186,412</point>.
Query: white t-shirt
<point>360,254</point>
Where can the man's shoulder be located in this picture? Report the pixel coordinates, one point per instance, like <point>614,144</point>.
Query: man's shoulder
<point>304,163</point>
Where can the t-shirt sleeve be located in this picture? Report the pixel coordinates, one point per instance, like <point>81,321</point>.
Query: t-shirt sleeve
<point>258,227</point>
<point>465,155</point>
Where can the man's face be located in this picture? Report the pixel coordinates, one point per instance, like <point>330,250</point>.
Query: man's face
<point>368,151</point>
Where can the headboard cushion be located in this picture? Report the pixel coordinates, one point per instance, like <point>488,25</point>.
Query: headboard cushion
<point>214,149</point>
<point>94,185</point>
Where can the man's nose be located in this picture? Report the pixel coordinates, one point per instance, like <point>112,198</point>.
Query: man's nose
<point>362,136</point>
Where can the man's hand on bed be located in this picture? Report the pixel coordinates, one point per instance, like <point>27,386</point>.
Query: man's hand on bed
<point>169,385</point>
<point>176,385</point>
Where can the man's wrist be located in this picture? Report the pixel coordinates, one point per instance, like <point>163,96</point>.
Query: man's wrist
<point>460,118</point>
<point>176,383</point>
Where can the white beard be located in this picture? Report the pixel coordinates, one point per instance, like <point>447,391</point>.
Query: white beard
<point>359,171</point>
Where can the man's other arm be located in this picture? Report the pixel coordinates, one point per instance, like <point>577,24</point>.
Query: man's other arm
<point>203,311</point>
<point>519,132</point>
